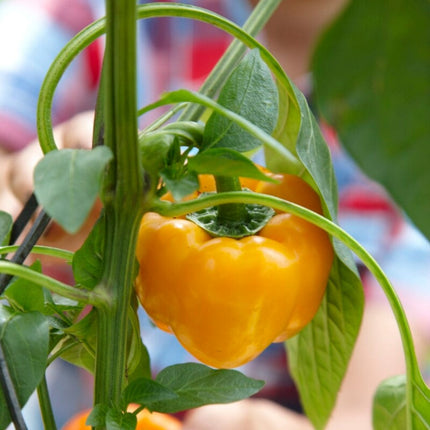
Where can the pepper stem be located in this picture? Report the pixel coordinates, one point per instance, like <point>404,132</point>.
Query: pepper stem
<point>230,212</point>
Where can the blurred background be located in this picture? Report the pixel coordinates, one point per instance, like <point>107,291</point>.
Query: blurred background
<point>175,53</point>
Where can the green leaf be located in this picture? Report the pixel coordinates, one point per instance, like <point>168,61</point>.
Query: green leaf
<point>25,341</point>
<point>197,385</point>
<point>79,344</point>
<point>139,365</point>
<point>389,405</point>
<point>117,420</point>
<point>153,150</point>
<point>97,417</point>
<point>319,355</point>
<point>372,84</point>
<point>179,96</point>
<point>251,92</point>
<point>391,409</point>
<point>26,296</point>
<point>224,162</point>
<point>315,156</point>
<point>88,260</point>
<point>181,186</point>
<point>67,183</point>
<point>146,392</point>
<point>6,223</point>
<point>138,361</point>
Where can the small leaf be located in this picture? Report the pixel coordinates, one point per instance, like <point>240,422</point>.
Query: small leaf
<point>389,405</point>
<point>224,161</point>
<point>88,260</point>
<point>138,361</point>
<point>6,223</point>
<point>319,355</point>
<point>146,392</point>
<point>117,420</point>
<point>26,296</point>
<point>139,365</point>
<point>197,385</point>
<point>250,92</point>
<point>80,342</point>
<point>182,186</point>
<point>25,341</point>
<point>97,416</point>
<point>67,183</point>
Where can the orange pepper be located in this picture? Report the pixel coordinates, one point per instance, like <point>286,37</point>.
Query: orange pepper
<point>227,299</point>
<point>145,421</point>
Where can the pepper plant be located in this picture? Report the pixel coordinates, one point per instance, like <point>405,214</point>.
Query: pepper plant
<point>192,170</point>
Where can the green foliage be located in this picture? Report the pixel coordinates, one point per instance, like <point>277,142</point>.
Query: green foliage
<point>78,342</point>
<point>319,355</point>
<point>146,392</point>
<point>25,339</point>
<point>251,93</point>
<point>116,420</point>
<point>393,411</point>
<point>67,183</point>
<point>197,385</point>
<point>26,296</point>
<point>224,161</point>
<point>372,71</point>
<point>88,259</point>
<point>5,227</point>
<point>389,405</point>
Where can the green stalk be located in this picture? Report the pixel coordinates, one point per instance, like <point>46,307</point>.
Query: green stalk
<point>231,212</point>
<point>123,199</point>
<point>72,293</point>
<point>63,254</point>
<point>46,406</point>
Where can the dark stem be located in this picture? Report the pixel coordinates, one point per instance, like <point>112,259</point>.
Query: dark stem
<point>10,393</point>
<point>25,248</point>
<point>23,218</point>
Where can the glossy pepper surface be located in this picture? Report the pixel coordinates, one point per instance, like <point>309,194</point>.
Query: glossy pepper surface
<point>227,299</point>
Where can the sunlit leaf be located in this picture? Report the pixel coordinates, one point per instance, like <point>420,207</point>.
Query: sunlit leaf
<point>67,183</point>
<point>250,92</point>
<point>196,385</point>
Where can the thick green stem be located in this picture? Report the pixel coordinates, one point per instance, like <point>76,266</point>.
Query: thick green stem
<point>232,212</point>
<point>124,199</point>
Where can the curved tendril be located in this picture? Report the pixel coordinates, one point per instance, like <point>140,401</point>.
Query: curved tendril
<point>86,36</point>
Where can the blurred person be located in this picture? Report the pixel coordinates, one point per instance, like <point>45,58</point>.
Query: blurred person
<point>291,35</point>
